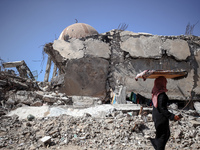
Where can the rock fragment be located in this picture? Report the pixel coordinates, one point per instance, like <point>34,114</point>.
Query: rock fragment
<point>45,140</point>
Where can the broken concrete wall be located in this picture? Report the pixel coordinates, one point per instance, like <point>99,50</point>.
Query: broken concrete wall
<point>197,75</point>
<point>86,77</point>
<point>96,65</point>
<point>157,53</point>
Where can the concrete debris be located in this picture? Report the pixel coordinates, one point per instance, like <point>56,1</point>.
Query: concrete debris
<point>11,81</point>
<point>116,131</point>
<point>197,107</point>
<point>57,81</point>
<point>15,90</point>
<point>85,101</point>
<point>45,140</point>
<point>22,68</point>
<point>120,95</point>
<point>14,99</point>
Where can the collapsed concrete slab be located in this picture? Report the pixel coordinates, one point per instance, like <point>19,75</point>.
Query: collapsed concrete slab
<point>86,77</point>
<point>69,50</point>
<point>85,101</point>
<point>151,47</point>
<point>10,81</point>
<point>98,64</point>
<point>96,48</point>
<point>22,68</point>
<point>177,48</point>
<point>142,47</point>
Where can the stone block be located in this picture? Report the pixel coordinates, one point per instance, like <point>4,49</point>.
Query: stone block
<point>45,140</point>
<point>49,98</point>
<point>84,101</point>
<point>97,48</point>
<point>69,50</point>
<point>143,47</point>
<point>177,48</point>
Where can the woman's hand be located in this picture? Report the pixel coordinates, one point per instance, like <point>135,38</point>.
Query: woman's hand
<point>176,118</point>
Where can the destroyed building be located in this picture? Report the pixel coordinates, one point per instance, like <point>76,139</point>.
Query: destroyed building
<point>87,63</point>
<point>66,111</point>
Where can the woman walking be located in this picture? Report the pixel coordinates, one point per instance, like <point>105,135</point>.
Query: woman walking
<point>161,115</point>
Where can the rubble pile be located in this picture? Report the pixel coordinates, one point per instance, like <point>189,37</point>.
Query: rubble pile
<point>14,99</point>
<point>116,130</point>
<point>11,81</point>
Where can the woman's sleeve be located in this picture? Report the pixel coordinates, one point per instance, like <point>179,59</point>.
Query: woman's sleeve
<point>162,106</point>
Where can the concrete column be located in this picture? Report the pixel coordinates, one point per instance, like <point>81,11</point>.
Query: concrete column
<point>54,70</point>
<point>120,94</point>
<point>48,67</point>
<point>59,71</point>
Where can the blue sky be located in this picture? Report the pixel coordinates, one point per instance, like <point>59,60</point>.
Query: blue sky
<point>27,25</point>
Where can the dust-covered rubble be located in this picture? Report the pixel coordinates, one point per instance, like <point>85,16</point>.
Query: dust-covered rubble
<point>116,130</point>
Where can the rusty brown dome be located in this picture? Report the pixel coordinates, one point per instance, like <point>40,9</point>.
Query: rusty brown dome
<point>77,30</point>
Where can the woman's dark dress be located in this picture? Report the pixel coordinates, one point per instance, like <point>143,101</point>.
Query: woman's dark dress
<point>161,117</point>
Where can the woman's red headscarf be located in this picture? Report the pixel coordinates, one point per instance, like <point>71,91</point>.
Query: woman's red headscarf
<point>159,87</point>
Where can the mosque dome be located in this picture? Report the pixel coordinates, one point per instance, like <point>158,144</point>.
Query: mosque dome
<point>77,30</point>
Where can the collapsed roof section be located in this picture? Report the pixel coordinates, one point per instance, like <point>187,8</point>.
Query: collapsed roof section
<point>22,68</point>
<point>96,65</point>
<point>9,80</point>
